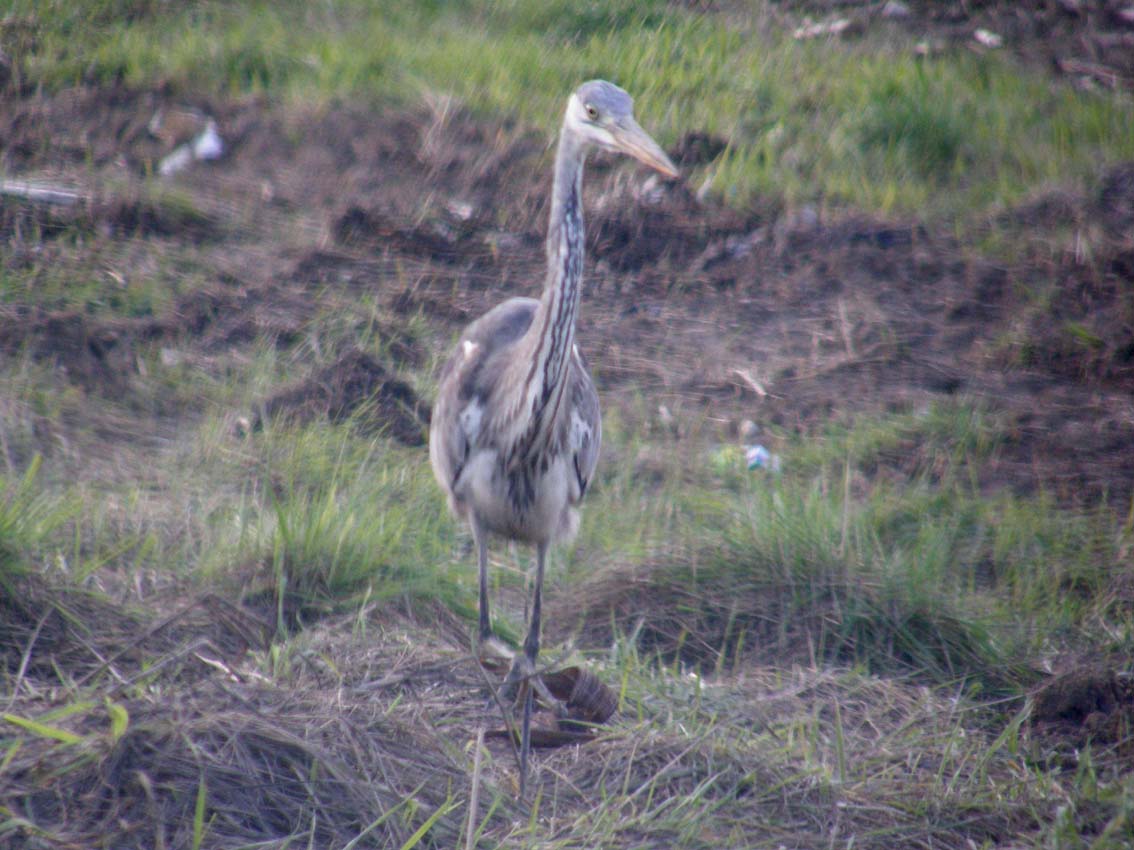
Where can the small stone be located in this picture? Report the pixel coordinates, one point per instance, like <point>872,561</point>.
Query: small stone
<point>895,9</point>
<point>460,210</point>
<point>988,38</point>
<point>171,357</point>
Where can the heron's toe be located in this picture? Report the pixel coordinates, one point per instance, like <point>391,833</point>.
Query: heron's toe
<point>520,672</point>
<point>494,654</point>
<point>558,707</point>
<point>523,675</point>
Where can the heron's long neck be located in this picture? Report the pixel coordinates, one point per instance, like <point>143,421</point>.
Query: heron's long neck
<point>552,334</point>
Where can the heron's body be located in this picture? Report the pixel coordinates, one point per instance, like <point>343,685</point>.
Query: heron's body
<point>499,475</point>
<point>516,429</point>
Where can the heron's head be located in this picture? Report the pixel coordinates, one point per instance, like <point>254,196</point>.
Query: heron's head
<point>602,114</point>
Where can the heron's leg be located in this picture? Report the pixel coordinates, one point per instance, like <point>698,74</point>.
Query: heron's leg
<point>480,537</point>
<point>490,650</point>
<point>525,739</point>
<point>531,642</point>
<point>524,665</point>
<point>531,653</point>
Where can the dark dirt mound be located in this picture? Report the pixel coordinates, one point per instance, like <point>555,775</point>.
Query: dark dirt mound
<point>1116,201</point>
<point>697,148</point>
<point>372,228</point>
<point>1093,703</point>
<point>95,355</point>
<point>122,217</point>
<point>355,386</point>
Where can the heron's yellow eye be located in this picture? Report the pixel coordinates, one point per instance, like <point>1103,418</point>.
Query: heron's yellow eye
<point>592,113</point>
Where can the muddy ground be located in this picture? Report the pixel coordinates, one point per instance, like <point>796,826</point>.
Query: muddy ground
<point>792,318</point>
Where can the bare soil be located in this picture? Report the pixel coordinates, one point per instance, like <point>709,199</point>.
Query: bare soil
<point>790,318</point>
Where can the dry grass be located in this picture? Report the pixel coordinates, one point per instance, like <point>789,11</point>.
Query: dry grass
<point>119,760</point>
<point>361,732</point>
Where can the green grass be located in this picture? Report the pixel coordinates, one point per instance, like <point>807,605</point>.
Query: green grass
<point>873,546</point>
<point>340,519</point>
<point>865,124</point>
<point>28,518</point>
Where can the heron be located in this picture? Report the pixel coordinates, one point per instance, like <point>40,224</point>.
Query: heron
<point>516,428</point>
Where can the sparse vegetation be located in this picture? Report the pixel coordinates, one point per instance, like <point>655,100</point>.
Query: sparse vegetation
<point>233,609</point>
<point>877,128</point>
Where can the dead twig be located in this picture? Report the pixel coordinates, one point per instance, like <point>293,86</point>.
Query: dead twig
<point>25,658</point>
<point>40,193</point>
<point>751,382</point>
<point>474,793</point>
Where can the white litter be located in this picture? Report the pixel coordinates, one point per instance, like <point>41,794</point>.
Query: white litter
<point>207,145</point>
<point>988,38</point>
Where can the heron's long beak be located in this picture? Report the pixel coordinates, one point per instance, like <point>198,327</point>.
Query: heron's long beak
<point>633,140</point>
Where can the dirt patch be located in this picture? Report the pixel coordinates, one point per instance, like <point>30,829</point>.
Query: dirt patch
<point>95,355</point>
<point>374,228</point>
<point>1090,704</point>
<point>354,387</point>
<point>693,304</point>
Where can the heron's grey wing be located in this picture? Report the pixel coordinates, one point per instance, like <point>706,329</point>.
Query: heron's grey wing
<point>448,444</point>
<point>585,434</point>
<point>467,382</point>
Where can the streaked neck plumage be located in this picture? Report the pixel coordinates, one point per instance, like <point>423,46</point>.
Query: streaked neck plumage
<point>551,337</point>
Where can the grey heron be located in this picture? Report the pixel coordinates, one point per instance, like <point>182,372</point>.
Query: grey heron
<point>516,429</point>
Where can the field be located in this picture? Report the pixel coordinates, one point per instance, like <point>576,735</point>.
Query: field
<point>234,610</point>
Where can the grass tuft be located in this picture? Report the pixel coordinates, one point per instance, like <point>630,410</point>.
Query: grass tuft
<point>841,560</point>
<point>338,519</point>
<point>915,130</point>
<point>30,520</point>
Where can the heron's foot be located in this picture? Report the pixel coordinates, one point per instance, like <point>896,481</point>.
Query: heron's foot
<point>521,675</point>
<point>520,672</point>
<point>494,654</point>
